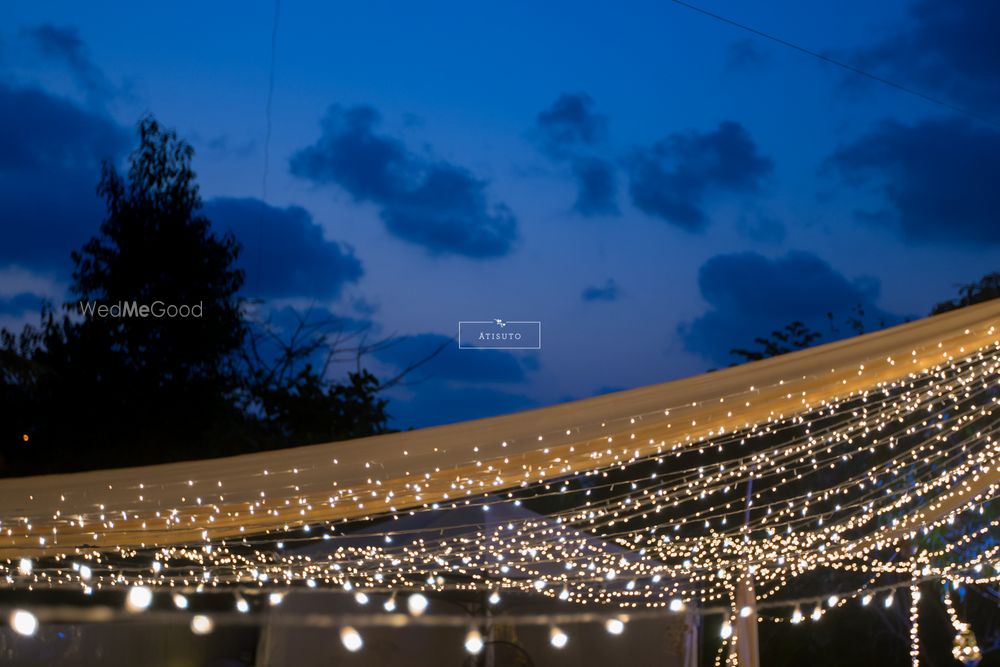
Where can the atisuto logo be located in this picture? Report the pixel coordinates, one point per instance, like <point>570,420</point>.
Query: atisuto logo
<point>134,309</point>
<point>497,333</point>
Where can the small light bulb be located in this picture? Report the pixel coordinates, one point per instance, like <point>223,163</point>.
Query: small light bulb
<point>85,572</point>
<point>390,604</point>
<point>275,599</point>
<point>832,601</point>
<point>866,600</point>
<point>416,604</point>
<point>564,594</point>
<point>23,622</point>
<point>676,604</point>
<point>615,626</point>
<point>726,631</point>
<point>24,567</point>
<point>558,638</point>
<point>494,598</point>
<point>350,638</point>
<point>817,613</point>
<point>474,642</point>
<point>745,612</point>
<point>242,605</point>
<point>797,616</point>
<point>360,598</point>
<point>139,598</point>
<point>201,624</point>
<point>888,600</point>
<point>180,601</point>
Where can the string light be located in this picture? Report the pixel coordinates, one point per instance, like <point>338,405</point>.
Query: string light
<point>663,487</point>
<point>201,624</point>
<point>139,598</point>
<point>416,604</point>
<point>474,641</point>
<point>23,622</point>
<point>558,638</point>
<point>615,626</point>
<point>180,601</point>
<point>350,638</point>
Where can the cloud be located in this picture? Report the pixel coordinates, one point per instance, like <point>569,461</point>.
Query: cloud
<point>64,45</point>
<point>938,177</point>
<point>50,154</point>
<point>608,292</point>
<point>285,253</point>
<point>745,53</point>
<point>750,295</point>
<point>570,132</point>
<point>20,304</point>
<point>945,47</point>
<point>454,364</point>
<point>672,178</point>
<point>437,205</point>
<point>569,124</point>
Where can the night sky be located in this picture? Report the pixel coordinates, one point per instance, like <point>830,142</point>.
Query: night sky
<point>655,186</point>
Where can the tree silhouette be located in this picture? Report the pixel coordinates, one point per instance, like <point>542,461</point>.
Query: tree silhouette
<point>85,390</point>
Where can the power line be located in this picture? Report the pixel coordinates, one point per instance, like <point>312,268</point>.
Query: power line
<point>839,63</point>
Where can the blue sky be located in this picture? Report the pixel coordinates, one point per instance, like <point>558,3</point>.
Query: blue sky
<point>655,186</point>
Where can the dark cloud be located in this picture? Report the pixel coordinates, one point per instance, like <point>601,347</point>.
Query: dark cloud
<point>50,153</point>
<point>938,176</point>
<point>435,204</point>
<point>569,124</point>
<point>744,53</point>
<point>20,304</point>
<point>750,295</point>
<point>454,364</point>
<point>608,292</point>
<point>945,47</point>
<point>596,184</point>
<point>672,178</point>
<point>284,251</point>
<point>64,45</point>
<point>570,132</point>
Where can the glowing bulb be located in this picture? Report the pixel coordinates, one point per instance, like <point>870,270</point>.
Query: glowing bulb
<point>24,567</point>
<point>676,604</point>
<point>416,604</point>
<point>817,613</point>
<point>275,599</point>
<point>558,638</point>
<point>494,598</point>
<point>726,631</point>
<point>832,601</point>
<point>474,642</point>
<point>23,622</point>
<point>360,598</point>
<point>888,600</point>
<point>745,612</point>
<point>866,600</point>
<point>85,572</point>
<point>242,605</point>
<point>139,598</point>
<point>201,624</point>
<point>180,601</point>
<point>615,626</point>
<point>797,616</point>
<point>350,638</point>
<point>564,594</point>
